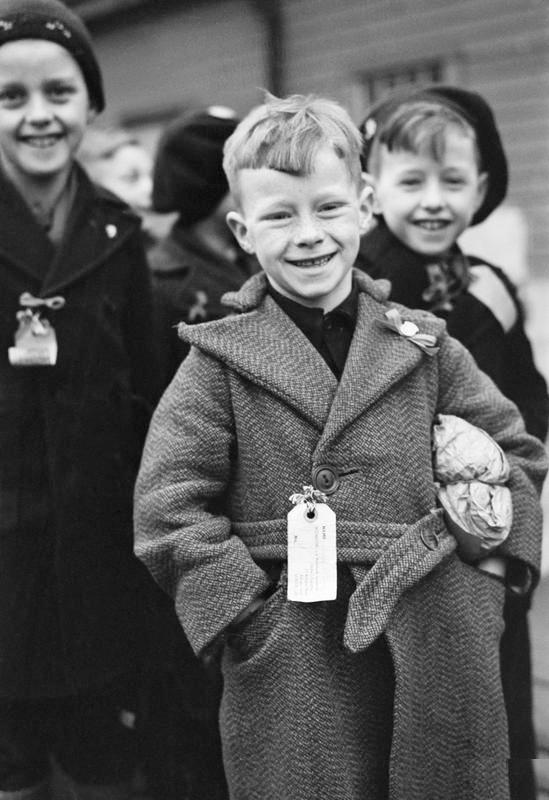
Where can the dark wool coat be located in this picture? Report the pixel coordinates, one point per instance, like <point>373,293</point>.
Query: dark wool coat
<point>393,690</point>
<point>189,280</point>
<point>73,597</point>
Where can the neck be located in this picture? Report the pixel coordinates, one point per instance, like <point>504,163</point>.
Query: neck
<point>40,195</point>
<point>215,233</point>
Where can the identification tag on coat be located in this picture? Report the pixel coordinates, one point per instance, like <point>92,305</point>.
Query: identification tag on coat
<point>35,342</point>
<point>312,553</point>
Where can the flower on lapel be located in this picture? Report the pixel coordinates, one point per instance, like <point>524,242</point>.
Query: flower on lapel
<point>409,330</point>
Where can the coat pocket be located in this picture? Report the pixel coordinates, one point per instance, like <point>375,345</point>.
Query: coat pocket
<point>252,637</point>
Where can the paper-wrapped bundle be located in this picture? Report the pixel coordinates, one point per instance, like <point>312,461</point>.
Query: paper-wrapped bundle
<point>478,514</point>
<point>470,469</point>
<point>463,452</point>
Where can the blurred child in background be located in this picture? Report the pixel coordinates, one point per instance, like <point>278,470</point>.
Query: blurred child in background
<point>199,260</point>
<point>116,159</point>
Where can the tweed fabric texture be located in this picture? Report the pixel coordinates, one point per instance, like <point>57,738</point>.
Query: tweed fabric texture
<point>393,690</point>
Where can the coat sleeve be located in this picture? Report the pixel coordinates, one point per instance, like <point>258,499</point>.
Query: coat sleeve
<point>467,392</point>
<point>183,533</point>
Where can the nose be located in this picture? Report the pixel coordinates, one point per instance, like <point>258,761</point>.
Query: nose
<point>308,231</point>
<point>432,198</point>
<point>38,111</point>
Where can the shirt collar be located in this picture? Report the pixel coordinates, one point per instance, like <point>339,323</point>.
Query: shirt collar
<point>310,319</point>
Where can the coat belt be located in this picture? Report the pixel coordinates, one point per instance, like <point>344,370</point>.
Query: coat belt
<point>385,559</point>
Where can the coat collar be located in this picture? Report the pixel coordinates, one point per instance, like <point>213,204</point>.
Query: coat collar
<point>265,346</point>
<point>98,224</point>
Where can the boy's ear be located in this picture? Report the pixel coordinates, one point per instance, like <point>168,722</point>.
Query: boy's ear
<point>366,196</point>
<point>237,224</point>
<point>92,113</point>
<point>370,181</point>
<point>482,188</point>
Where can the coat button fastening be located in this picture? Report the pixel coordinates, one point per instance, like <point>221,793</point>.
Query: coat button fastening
<point>325,478</point>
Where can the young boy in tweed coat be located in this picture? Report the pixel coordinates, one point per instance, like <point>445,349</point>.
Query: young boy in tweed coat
<point>392,689</point>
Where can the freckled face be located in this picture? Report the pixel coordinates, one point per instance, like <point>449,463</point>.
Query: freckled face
<point>44,109</point>
<point>304,230</point>
<point>428,204</point>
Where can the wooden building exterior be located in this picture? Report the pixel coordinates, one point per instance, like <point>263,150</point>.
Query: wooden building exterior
<point>159,57</point>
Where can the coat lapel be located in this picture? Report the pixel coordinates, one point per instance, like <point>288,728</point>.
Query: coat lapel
<point>267,348</point>
<point>23,243</point>
<point>92,235</point>
<point>378,358</point>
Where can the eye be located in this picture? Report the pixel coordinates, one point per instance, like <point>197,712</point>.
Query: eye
<point>331,207</point>
<point>410,182</point>
<point>277,216</point>
<point>454,180</point>
<point>12,96</point>
<point>59,92</point>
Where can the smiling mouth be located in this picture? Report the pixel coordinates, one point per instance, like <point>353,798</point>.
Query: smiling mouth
<point>42,142</point>
<point>432,224</point>
<point>319,261</point>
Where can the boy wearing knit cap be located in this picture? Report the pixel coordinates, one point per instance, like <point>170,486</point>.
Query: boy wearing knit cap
<point>199,260</point>
<point>437,165</point>
<point>78,381</point>
<point>286,500</point>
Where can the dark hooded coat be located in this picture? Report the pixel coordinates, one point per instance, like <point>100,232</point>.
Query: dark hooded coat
<point>393,690</point>
<point>73,598</point>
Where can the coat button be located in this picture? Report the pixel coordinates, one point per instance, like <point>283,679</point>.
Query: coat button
<point>430,539</point>
<point>325,478</point>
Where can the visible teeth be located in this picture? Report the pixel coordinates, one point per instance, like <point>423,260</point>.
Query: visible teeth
<point>41,141</point>
<point>312,262</point>
<point>432,224</point>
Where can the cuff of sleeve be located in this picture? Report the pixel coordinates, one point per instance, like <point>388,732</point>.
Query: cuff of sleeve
<point>519,578</point>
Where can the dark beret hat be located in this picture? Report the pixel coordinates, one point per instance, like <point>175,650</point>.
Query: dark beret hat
<point>52,20</point>
<point>188,172</point>
<point>475,110</point>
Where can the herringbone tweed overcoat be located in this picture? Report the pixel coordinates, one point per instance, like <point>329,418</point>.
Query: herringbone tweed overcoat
<point>392,690</point>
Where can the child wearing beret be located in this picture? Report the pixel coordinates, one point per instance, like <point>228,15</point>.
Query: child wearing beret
<point>78,383</point>
<point>437,165</point>
<point>286,500</point>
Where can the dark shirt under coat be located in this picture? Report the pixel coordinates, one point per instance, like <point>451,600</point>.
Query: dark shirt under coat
<point>329,333</point>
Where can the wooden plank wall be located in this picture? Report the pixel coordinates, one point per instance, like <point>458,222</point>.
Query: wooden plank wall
<point>498,47</point>
<point>199,54</point>
<point>214,52</point>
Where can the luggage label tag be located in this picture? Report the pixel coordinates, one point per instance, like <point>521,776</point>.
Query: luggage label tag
<point>312,551</point>
<point>35,342</point>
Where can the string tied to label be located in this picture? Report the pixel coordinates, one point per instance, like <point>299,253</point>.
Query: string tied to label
<point>310,496</point>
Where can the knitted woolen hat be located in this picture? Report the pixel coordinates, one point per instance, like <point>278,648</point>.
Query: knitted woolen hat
<point>471,107</point>
<point>188,174</point>
<point>52,20</point>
